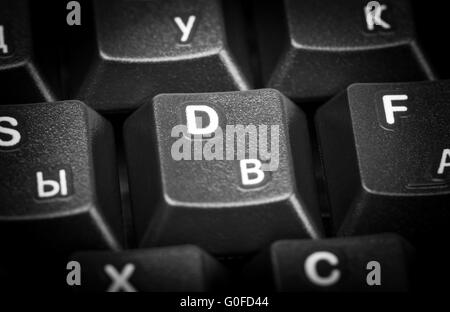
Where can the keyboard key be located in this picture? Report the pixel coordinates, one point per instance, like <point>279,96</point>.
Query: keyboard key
<point>311,50</point>
<point>174,269</point>
<point>21,78</point>
<point>143,48</point>
<point>390,144</point>
<point>232,192</point>
<point>366,263</point>
<point>58,190</point>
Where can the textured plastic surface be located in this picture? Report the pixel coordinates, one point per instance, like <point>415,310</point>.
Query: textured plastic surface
<point>391,167</point>
<point>66,136</point>
<point>203,201</point>
<point>132,63</point>
<point>327,46</point>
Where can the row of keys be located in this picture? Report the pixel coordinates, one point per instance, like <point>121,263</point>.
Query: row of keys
<point>113,67</point>
<point>213,168</point>
<point>383,262</point>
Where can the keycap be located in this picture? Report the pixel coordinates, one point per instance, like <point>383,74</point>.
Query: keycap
<point>175,269</point>
<point>365,263</point>
<point>216,170</point>
<point>22,79</point>
<point>389,143</point>
<point>311,50</point>
<point>143,48</point>
<point>59,188</point>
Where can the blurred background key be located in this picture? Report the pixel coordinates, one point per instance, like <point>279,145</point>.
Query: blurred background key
<point>310,50</point>
<point>366,263</point>
<point>175,269</point>
<point>139,49</point>
<point>58,187</point>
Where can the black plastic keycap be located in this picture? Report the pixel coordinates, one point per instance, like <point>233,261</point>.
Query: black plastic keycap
<point>143,48</point>
<point>248,184</point>
<point>22,79</point>
<point>386,155</point>
<point>58,186</point>
<point>175,269</point>
<point>366,263</point>
<point>311,49</point>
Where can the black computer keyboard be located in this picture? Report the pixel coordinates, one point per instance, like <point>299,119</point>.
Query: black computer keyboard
<point>224,146</point>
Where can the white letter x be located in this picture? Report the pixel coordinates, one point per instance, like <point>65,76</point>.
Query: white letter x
<point>120,280</point>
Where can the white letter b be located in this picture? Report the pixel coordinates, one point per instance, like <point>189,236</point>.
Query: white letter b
<point>255,169</point>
